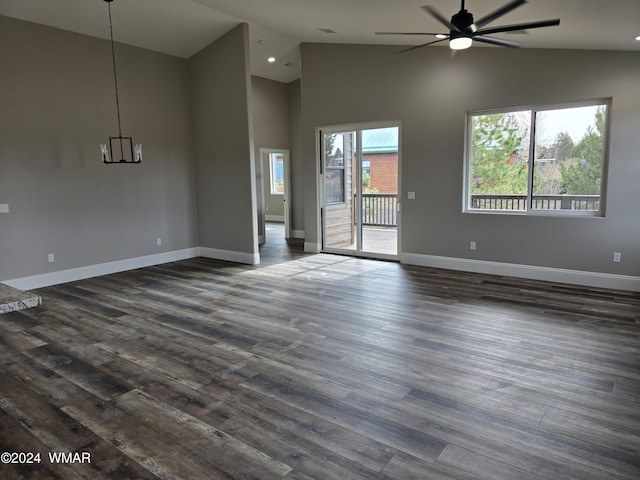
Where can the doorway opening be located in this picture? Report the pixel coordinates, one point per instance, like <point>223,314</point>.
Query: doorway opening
<point>276,193</point>
<point>360,172</point>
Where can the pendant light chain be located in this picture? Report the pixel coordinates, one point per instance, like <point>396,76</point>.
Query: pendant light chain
<point>119,149</point>
<point>115,76</point>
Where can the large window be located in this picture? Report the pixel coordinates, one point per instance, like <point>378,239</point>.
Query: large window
<point>540,160</point>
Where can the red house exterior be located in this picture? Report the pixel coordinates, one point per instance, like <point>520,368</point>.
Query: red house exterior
<point>380,159</point>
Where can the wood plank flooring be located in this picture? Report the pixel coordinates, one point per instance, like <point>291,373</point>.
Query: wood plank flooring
<point>322,367</point>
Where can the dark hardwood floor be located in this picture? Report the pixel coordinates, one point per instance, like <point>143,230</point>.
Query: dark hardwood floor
<point>321,367</point>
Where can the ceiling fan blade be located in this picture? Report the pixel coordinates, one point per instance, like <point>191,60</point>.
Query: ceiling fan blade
<point>406,33</point>
<point>519,26</point>
<point>495,41</point>
<point>499,12</point>
<point>420,46</point>
<point>438,16</point>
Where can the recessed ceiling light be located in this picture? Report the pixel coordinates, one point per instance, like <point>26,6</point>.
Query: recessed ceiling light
<point>638,38</point>
<point>271,59</point>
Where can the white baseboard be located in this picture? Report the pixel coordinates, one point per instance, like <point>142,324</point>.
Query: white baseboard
<point>297,234</point>
<point>310,247</point>
<point>90,271</point>
<point>576,277</point>
<point>229,255</point>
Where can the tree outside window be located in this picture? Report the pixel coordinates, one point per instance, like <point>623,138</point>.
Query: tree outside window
<point>557,165</point>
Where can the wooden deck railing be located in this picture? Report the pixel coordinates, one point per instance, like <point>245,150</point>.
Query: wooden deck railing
<point>540,202</point>
<point>379,209</point>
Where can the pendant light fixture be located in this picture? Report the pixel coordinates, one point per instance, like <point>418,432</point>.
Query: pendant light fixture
<point>120,149</point>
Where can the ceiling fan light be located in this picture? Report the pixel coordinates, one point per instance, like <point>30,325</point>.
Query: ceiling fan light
<point>460,43</point>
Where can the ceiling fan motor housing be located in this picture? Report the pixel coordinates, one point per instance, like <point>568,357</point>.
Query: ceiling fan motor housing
<point>463,21</point>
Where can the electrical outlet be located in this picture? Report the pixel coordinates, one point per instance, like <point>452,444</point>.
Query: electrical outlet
<point>159,241</point>
<point>411,195</point>
<point>4,208</point>
<point>51,258</point>
<point>472,245</point>
<point>617,257</point>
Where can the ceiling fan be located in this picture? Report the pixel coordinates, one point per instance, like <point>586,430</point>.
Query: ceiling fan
<point>463,30</point>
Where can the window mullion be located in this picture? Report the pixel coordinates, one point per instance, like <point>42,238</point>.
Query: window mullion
<point>531,160</point>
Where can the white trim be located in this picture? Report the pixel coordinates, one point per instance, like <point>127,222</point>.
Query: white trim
<point>265,157</point>
<point>320,187</point>
<point>90,271</point>
<point>560,275</point>
<point>577,277</point>
<point>533,111</point>
<point>310,247</point>
<point>229,255</point>
<point>293,234</point>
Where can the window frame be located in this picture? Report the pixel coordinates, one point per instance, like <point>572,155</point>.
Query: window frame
<point>275,157</point>
<point>338,169</point>
<point>531,160</point>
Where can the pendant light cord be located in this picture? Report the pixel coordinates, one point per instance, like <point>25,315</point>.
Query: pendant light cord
<point>115,76</point>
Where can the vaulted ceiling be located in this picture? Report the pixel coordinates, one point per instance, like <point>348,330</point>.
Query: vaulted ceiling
<point>277,27</point>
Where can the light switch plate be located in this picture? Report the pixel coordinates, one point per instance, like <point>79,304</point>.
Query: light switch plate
<point>4,208</point>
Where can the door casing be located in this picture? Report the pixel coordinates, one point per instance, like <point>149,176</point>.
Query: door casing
<point>356,127</point>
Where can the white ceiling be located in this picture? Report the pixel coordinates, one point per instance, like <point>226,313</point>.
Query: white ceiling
<point>183,27</point>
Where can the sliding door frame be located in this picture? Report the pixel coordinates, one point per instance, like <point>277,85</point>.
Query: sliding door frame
<point>320,168</point>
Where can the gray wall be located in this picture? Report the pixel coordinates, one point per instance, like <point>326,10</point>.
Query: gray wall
<point>430,93</point>
<point>195,118</point>
<point>223,138</point>
<point>272,129</point>
<point>296,160</point>
<point>277,113</point>
<point>57,105</point>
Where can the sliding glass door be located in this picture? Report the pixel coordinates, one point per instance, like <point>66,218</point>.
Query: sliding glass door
<point>360,171</point>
